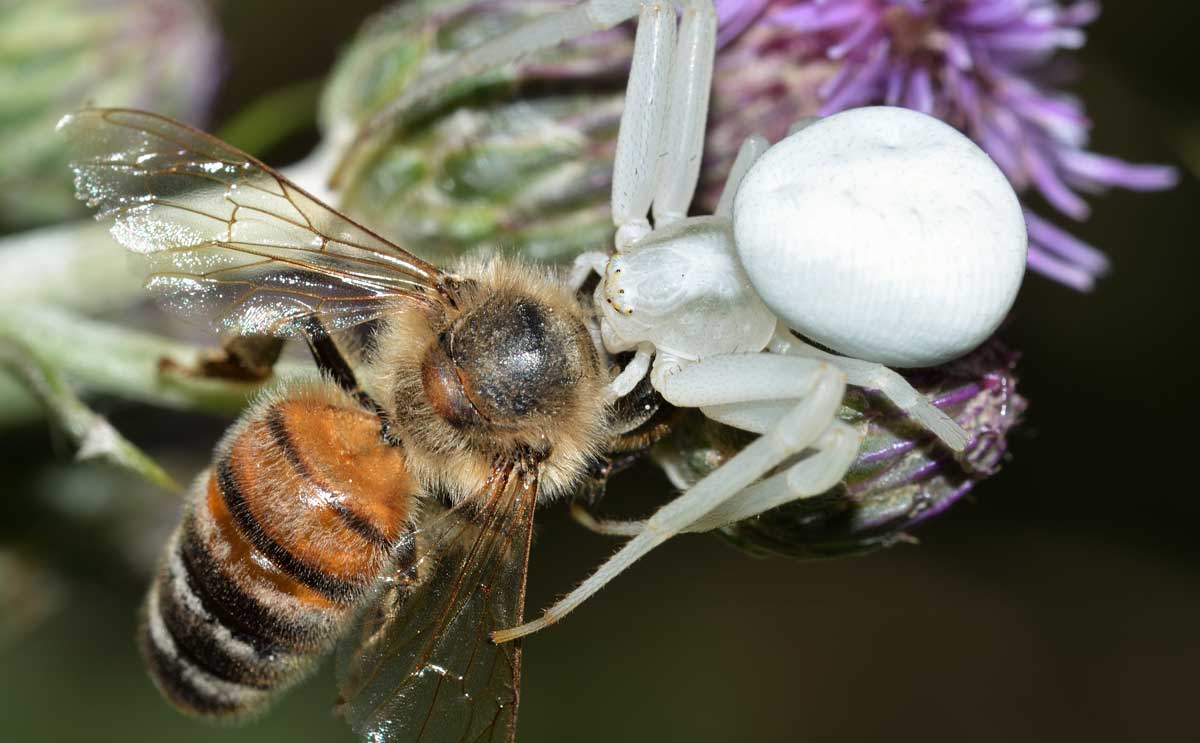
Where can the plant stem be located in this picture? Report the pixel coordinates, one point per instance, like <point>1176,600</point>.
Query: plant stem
<point>95,437</point>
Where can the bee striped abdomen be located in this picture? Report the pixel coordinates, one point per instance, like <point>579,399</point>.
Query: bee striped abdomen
<point>304,509</point>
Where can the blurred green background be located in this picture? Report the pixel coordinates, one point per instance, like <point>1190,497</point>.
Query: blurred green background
<point>1061,602</point>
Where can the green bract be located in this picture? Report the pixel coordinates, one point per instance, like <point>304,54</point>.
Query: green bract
<point>518,160</point>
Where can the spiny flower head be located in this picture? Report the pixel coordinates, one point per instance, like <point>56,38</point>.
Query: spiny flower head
<point>977,64</point>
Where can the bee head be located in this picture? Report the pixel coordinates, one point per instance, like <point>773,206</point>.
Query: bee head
<point>507,363</point>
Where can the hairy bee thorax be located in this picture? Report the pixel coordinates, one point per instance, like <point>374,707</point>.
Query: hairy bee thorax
<point>509,370</point>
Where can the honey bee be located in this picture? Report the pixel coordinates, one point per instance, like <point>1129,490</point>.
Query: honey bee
<point>399,490</point>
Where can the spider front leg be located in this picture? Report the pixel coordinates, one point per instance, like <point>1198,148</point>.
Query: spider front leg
<point>723,380</point>
<point>830,457</point>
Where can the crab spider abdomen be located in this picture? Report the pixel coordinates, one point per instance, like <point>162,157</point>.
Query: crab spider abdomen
<point>682,288</point>
<point>883,234</point>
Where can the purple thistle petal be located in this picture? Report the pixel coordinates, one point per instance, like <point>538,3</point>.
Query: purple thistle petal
<point>1060,118</point>
<point>1080,14</point>
<point>958,52</point>
<point>816,17</point>
<point>734,17</point>
<point>1061,271</point>
<point>1110,171</point>
<point>1064,245</point>
<point>920,91</point>
<point>975,64</point>
<point>1032,40</point>
<point>866,31</point>
<point>1043,175</point>
<point>896,79</point>
<point>984,14</point>
<point>857,87</point>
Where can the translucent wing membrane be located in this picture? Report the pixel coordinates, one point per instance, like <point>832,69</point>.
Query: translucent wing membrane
<point>420,666</point>
<point>227,238</point>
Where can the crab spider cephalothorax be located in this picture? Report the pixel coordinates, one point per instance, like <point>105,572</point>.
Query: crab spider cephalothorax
<point>880,233</point>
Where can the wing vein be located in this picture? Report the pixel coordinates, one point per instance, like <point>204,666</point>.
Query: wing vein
<point>184,198</point>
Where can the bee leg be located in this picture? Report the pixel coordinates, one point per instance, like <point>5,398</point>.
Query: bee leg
<point>332,362</point>
<point>818,387</point>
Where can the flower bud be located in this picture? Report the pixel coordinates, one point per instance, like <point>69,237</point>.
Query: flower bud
<point>902,475</point>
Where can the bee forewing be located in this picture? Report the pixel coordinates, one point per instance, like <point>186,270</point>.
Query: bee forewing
<point>227,237</point>
<point>420,666</point>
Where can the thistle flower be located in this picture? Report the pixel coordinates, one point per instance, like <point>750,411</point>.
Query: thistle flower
<point>57,55</point>
<point>977,64</point>
<point>901,476</point>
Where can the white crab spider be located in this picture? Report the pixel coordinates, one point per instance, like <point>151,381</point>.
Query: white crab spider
<point>881,233</point>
